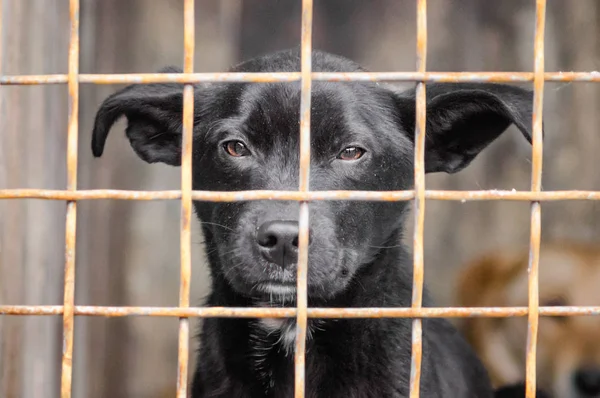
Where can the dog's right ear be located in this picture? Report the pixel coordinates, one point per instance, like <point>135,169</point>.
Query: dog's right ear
<point>464,118</point>
<point>154,120</point>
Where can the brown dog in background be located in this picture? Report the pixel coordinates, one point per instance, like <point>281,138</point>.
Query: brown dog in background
<point>568,353</point>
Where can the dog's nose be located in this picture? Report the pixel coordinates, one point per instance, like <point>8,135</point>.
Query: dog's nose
<point>587,381</point>
<point>278,241</point>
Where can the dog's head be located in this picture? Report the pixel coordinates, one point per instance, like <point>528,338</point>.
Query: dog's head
<point>246,137</point>
<point>568,348</point>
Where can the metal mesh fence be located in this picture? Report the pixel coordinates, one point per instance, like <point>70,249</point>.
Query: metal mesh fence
<point>419,195</point>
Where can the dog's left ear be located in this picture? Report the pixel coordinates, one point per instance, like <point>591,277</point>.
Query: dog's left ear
<point>154,120</point>
<point>462,119</point>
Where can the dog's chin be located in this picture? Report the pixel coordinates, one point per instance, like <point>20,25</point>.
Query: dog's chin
<point>275,292</point>
<point>285,294</point>
<point>278,286</point>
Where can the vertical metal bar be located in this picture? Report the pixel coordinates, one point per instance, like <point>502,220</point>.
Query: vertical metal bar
<point>418,263</point>
<point>186,198</point>
<point>305,105</point>
<point>536,185</point>
<point>71,219</point>
<point>1,35</point>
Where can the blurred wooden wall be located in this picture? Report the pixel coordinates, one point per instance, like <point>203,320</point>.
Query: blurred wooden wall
<point>33,126</point>
<point>127,252</point>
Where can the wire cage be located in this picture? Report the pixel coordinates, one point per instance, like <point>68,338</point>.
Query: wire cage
<point>304,195</point>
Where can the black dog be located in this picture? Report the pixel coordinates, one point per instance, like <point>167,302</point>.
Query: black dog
<point>246,137</point>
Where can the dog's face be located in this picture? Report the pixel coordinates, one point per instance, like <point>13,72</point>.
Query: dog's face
<point>246,137</point>
<point>568,348</point>
<point>257,147</point>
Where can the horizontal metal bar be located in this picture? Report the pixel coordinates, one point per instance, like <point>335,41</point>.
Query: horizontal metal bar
<point>439,77</point>
<point>333,313</point>
<point>237,196</point>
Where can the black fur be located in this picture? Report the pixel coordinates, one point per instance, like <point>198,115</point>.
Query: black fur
<point>355,258</point>
<point>517,391</point>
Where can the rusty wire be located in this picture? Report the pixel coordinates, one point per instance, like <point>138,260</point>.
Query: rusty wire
<point>186,198</point>
<point>71,218</point>
<point>238,196</point>
<point>429,77</point>
<point>536,209</point>
<point>302,272</point>
<point>68,310</point>
<point>270,312</point>
<point>419,200</point>
<point>304,178</point>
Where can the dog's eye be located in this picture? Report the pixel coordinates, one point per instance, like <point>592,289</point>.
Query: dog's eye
<point>554,302</point>
<point>236,149</point>
<point>351,153</point>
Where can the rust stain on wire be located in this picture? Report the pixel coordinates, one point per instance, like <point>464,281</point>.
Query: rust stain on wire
<point>222,77</point>
<point>302,282</point>
<point>419,164</point>
<point>237,196</point>
<point>536,186</point>
<point>329,313</point>
<point>186,199</point>
<point>71,218</point>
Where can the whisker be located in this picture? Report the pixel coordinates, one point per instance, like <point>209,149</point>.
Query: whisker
<point>217,225</point>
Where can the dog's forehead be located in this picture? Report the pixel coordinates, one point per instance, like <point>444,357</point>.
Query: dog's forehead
<point>290,61</point>
<point>275,108</point>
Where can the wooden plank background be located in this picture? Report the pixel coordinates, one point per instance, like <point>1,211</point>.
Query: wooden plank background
<point>127,252</point>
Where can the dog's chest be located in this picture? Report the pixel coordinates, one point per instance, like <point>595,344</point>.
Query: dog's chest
<point>283,329</point>
<point>258,359</point>
<point>272,347</point>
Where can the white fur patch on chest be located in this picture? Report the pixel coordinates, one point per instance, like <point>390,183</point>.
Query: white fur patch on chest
<point>268,334</point>
<point>285,328</point>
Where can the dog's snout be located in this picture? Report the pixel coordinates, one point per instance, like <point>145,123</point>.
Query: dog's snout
<point>587,381</point>
<point>278,241</point>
